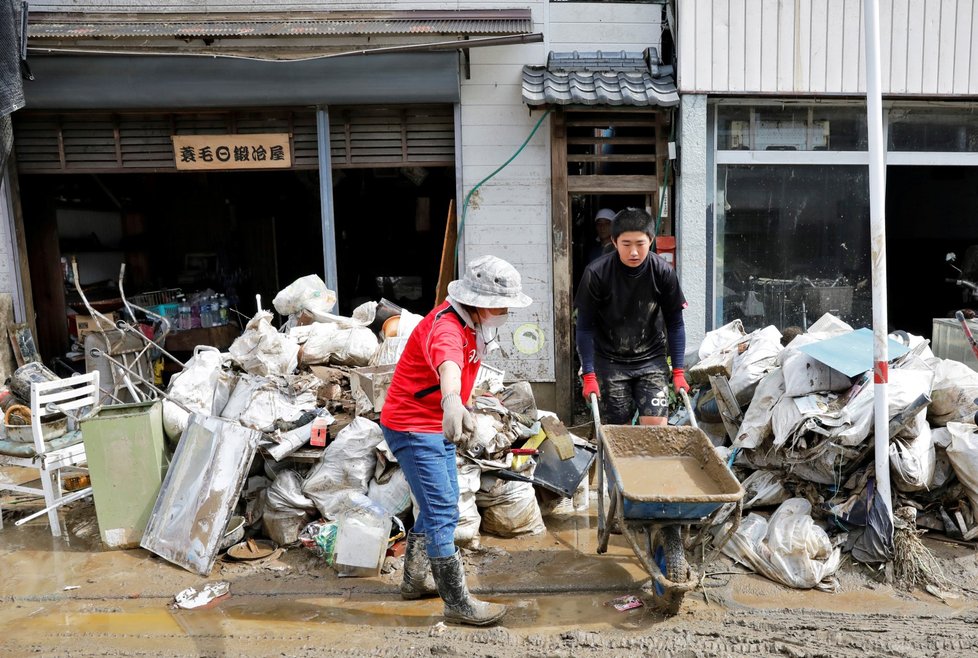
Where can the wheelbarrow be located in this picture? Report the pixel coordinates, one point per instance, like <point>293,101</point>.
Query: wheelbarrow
<point>663,482</point>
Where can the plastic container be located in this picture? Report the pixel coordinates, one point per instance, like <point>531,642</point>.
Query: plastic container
<point>184,321</point>
<point>223,309</point>
<point>361,544</point>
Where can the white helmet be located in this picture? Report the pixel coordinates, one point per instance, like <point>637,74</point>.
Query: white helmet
<point>489,282</point>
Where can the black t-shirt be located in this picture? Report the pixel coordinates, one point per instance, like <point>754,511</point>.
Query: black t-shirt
<point>625,305</point>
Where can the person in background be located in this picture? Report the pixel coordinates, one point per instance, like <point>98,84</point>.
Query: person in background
<point>629,317</point>
<point>602,243</point>
<point>425,417</point>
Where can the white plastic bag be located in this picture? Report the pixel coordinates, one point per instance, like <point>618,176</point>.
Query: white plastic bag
<point>257,402</point>
<point>756,426</point>
<point>762,488</point>
<point>393,494</point>
<point>261,350</point>
<point>469,519</point>
<point>203,386</point>
<point>804,374</point>
<point>308,293</point>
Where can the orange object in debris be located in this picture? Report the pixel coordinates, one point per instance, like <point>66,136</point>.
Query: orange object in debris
<point>320,433</point>
<point>665,246</point>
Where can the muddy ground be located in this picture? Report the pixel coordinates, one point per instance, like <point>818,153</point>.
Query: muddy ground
<point>69,597</point>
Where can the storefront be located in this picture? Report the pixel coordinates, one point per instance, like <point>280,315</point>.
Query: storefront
<point>358,190</point>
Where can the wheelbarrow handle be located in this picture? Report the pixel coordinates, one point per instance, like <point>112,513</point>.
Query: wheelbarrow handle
<point>689,408</point>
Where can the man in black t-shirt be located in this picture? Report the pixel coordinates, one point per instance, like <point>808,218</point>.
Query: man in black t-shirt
<point>627,303</point>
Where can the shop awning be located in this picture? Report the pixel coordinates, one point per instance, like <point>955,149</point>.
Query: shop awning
<point>280,35</point>
<point>483,22</point>
<point>601,78</point>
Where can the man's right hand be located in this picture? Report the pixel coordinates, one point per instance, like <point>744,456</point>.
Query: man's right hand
<point>590,386</point>
<point>456,419</point>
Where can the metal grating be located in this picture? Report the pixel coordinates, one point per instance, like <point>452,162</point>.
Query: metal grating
<point>104,142</point>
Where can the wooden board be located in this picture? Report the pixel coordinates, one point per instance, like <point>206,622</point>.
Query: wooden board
<point>446,271</point>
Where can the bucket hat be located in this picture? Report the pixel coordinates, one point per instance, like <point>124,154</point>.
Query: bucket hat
<point>489,282</point>
<point>605,213</point>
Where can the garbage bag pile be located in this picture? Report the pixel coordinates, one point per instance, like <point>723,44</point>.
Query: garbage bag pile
<point>321,369</point>
<point>800,434</point>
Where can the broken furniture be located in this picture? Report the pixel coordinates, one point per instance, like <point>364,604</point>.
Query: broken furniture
<point>51,446</point>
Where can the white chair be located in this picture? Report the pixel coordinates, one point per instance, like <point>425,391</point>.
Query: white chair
<point>71,396</point>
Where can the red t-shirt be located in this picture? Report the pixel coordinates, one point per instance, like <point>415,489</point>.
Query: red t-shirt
<point>413,402</point>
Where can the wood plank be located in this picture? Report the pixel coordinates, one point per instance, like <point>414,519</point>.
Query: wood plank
<point>611,140</point>
<point>612,184</point>
<point>562,269</point>
<point>446,270</point>
<point>600,157</point>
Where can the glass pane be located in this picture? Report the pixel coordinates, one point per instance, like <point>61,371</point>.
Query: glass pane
<point>929,129</point>
<point>792,244</point>
<point>791,128</point>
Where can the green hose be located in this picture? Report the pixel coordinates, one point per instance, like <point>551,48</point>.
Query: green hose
<point>465,204</point>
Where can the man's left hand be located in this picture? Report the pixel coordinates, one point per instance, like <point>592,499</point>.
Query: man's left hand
<point>679,380</point>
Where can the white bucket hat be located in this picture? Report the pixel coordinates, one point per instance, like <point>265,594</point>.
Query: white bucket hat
<point>489,282</point>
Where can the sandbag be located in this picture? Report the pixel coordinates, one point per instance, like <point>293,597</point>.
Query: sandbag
<point>716,340</point>
<point>392,492</point>
<point>804,374</point>
<point>762,488</point>
<point>509,509</point>
<point>469,519</point>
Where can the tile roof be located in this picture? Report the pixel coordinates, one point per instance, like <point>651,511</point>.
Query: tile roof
<point>601,78</point>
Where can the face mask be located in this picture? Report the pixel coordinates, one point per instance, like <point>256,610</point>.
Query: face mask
<point>493,321</point>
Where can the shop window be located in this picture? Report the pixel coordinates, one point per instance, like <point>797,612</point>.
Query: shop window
<point>791,128</point>
<point>792,244</point>
<point>930,129</point>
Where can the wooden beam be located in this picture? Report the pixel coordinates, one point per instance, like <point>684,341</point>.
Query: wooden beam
<point>446,271</point>
<point>612,184</point>
<point>563,270</point>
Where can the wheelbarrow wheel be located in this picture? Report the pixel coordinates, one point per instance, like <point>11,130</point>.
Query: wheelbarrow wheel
<point>670,556</point>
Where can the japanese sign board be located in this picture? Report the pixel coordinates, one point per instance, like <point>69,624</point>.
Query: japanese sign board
<point>210,152</point>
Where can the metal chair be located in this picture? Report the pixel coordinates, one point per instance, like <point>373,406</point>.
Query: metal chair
<point>74,397</point>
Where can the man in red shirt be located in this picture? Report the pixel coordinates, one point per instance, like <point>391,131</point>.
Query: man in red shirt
<point>424,418</point>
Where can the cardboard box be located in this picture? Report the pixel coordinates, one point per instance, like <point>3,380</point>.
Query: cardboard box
<point>86,324</point>
<point>374,382</point>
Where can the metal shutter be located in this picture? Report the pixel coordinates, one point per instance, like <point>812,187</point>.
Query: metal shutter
<point>362,136</point>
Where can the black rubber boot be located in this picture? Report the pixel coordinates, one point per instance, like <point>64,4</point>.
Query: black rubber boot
<point>418,582</point>
<point>460,606</point>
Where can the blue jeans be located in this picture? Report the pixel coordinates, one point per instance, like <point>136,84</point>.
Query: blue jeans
<point>428,462</point>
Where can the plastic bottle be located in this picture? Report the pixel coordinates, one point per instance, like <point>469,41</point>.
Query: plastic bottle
<point>222,309</point>
<point>205,313</point>
<point>183,314</point>
<point>195,314</point>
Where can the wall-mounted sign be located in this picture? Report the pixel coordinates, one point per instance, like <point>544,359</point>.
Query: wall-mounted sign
<point>200,152</point>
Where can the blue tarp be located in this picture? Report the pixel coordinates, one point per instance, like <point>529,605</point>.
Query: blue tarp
<point>851,353</point>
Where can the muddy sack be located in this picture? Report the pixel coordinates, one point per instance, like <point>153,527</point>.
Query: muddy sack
<point>347,465</point>
<point>913,460</point>
<point>750,367</point>
<point>789,548</point>
<point>258,402</point>
<point>954,393</point>
<point>327,342</point>
<point>509,509</point>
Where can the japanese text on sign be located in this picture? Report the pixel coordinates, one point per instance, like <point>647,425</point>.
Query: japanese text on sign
<point>263,151</point>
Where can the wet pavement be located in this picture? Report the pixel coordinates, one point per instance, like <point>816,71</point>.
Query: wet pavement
<point>71,597</point>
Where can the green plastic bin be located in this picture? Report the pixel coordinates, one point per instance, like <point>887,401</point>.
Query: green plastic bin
<point>124,445</point>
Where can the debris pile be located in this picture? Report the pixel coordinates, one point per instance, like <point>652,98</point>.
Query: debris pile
<point>796,422</point>
<point>346,499</point>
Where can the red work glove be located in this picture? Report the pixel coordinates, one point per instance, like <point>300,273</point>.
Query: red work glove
<point>679,380</point>
<point>591,386</point>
